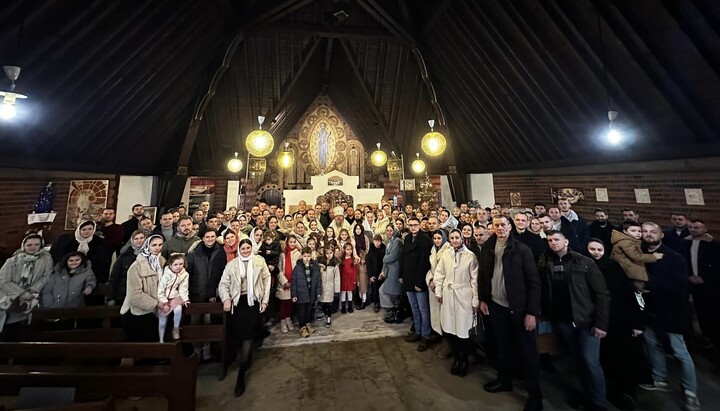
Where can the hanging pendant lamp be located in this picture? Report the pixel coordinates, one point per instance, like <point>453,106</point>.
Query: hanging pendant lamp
<point>259,142</point>
<point>433,143</point>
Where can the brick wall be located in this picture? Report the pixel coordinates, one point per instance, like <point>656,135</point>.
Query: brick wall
<point>666,192</point>
<point>18,193</point>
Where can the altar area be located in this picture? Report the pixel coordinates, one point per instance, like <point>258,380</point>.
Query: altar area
<point>333,187</point>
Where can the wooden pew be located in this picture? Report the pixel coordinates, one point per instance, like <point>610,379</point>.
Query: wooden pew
<point>91,368</point>
<point>42,321</point>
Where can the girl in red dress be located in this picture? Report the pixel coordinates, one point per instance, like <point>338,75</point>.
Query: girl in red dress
<point>348,278</point>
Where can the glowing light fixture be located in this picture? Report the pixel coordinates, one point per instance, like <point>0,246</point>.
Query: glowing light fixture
<point>418,165</point>
<point>614,136</point>
<point>7,107</point>
<point>259,142</point>
<point>235,164</point>
<point>286,159</point>
<point>433,143</point>
<point>378,158</point>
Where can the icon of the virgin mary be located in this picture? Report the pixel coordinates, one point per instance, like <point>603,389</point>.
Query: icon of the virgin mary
<point>323,136</point>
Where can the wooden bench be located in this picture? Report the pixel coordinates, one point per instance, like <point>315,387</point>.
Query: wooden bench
<point>86,321</point>
<point>91,368</point>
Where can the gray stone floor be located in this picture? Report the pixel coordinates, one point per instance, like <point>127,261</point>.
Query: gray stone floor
<point>390,374</point>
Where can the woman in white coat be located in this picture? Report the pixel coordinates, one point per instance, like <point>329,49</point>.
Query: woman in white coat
<point>456,289</point>
<point>440,246</point>
<point>244,290</point>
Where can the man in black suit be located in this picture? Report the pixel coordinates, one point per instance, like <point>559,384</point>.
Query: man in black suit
<point>414,265</point>
<point>510,291</point>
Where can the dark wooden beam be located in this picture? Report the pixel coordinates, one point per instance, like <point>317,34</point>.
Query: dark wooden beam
<point>382,16</point>
<point>328,60</point>
<point>435,17</point>
<point>367,94</point>
<point>338,32</point>
<point>659,69</point>
<point>287,88</point>
<point>282,9</point>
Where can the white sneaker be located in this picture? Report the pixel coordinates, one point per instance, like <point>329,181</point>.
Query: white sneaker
<point>328,321</point>
<point>290,324</point>
<point>655,386</point>
<point>692,403</point>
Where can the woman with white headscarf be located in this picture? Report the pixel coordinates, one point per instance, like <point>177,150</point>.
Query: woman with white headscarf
<point>141,302</point>
<point>22,277</point>
<point>244,290</point>
<point>85,241</point>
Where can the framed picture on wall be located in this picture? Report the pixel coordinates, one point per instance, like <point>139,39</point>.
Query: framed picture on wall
<point>601,195</point>
<point>515,200</point>
<point>642,196</point>
<point>152,213</point>
<point>694,196</point>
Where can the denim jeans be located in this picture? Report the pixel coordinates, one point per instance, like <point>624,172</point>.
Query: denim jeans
<point>585,349</point>
<point>656,355</point>
<point>421,312</point>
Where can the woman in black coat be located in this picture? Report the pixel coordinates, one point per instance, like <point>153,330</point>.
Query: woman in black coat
<point>117,284</point>
<point>621,352</point>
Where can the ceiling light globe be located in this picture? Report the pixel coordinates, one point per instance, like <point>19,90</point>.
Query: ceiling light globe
<point>378,158</point>
<point>7,111</point>
<point>259,143</point>
<point>614,137</point>
<point>235,165</point>
<point>418,166</point>
<point>286,159</point>
<point>433,144</point>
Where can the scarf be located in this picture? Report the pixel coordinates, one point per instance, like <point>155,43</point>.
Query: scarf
<point>457,252</point>
<point>83,243</point>
<point>231,252</point>
<point>136,249</point>
<point>288,263</point>
<point>255,244</point>
<point>28,262</point>
<point>153,259</point>
<point>249,277</point>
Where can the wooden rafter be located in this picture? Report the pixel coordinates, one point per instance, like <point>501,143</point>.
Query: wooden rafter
<point>287,88</point>
<point>338,32</point>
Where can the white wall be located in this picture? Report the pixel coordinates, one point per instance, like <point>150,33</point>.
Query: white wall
<point>481,189</point>
<point>445,194</point>
<point>233,190</point>
<point>133,190</point>
<point>186,193</point>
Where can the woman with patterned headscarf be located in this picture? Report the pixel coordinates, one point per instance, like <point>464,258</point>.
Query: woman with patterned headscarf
<point>21,280</point>
<point>141,301</point>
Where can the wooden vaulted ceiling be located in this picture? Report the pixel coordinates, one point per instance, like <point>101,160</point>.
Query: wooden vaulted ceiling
<point>124,86</point>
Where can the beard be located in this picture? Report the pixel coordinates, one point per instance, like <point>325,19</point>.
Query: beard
<point>650,242</point>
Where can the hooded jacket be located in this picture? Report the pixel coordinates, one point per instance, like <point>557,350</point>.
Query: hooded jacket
<point>627,251</point>
<point>65,290</point>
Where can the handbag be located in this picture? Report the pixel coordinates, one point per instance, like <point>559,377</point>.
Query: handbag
<point>477,332</point>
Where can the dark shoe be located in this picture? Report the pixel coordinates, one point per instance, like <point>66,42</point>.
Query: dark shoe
<point>546,363</point>
<point>414,337</point>
<point>392,317</point>
<point>453,369</point>
<point>622,401</point>
<point>412,328</point>
<point>362,305</point>
<point>424,345</point>
<point>240,384</point>
<point>497,386</point>
<point>376,308</point>
<point>342,308</point>
<point>350,307</point>
<point>462,369</point>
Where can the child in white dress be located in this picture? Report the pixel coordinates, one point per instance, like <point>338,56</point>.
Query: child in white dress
<point>173,294</point>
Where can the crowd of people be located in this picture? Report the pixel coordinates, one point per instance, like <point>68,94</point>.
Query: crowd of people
<point>617,296</point>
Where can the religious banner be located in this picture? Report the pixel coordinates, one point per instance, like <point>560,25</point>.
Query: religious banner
<point>86,200</point>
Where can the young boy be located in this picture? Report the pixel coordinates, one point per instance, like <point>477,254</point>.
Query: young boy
<point>305,290</point>
<point>628,253</point>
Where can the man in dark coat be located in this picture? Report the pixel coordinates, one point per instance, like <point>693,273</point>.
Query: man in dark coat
<point>129,227</point>
<point>510,292</point>
<point>668,316</point>
<point>579,223</point>
<point>602,229</point>
<point>674,237</point>
<point>579,307</point>
<point>525,236</point>
<point>414,265</point>
<point>562,224</point>
<point>702,255</point>
<point>199,263</point>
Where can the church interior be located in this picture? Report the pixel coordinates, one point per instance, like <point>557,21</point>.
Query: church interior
<point>274,122</point>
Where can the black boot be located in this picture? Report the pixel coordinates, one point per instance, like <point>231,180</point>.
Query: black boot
<point>392,317</point>
<point>342,307</point>
<point>240,384</point>
<point>350,307</point>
